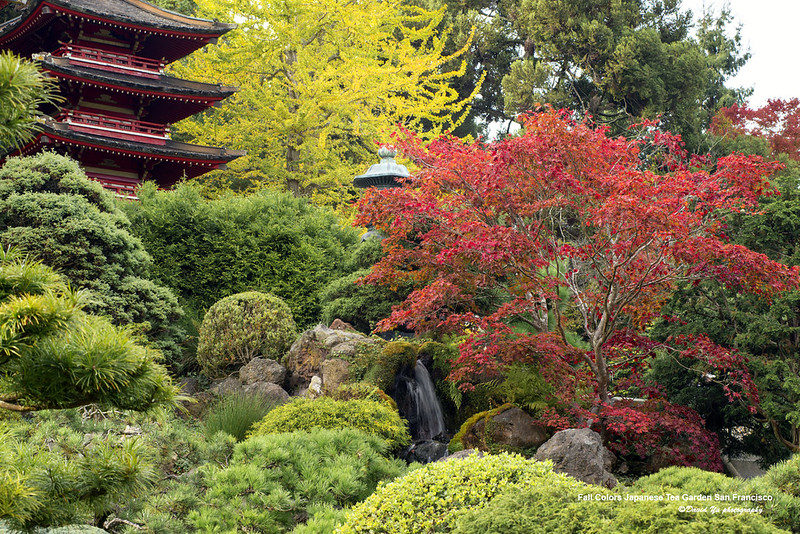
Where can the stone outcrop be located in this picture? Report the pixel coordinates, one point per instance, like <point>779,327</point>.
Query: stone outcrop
<point>335,372</point>
<point>262,370</point>
<point>579,452</point>
<point>511,429</point>
<point>305,357</point>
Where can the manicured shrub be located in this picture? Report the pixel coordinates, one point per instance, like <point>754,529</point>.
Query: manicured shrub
<point>48,207</point>
<point>372,417</point>
<point>431,498</point>
<point>782,482</point>
<point>242,327</point>
<point>236,413</point>
<point>553,506</point>
<point>268,241</point>
<point>272,481</point>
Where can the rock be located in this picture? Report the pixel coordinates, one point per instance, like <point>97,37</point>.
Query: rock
<point>268,390</point>
<point>314,388</point>
<point>189,386</point>
<point>579,452</point>
<point>335,372</point>
<point>462,454</point>
<point>346,349</point>
<point>338,324</point>
<point>425,452</point>
<point>226,386</point>
<point>199,404</point>
<point>262,370</point>
<point>306,355</point>
<point>511,429</point>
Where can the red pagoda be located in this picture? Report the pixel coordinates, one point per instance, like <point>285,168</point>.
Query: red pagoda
<point>108,57</point>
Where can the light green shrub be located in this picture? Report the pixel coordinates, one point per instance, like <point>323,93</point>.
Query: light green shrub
<point>236,413</point>
<point>372,417</point>
<point>782,482</point>
<point>431,498</point>
<point>242,327</point>
<point>273,481</point>
<point>556,506</point>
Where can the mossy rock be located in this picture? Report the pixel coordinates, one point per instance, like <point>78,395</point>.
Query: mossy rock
<point>479,432</point>
<point>381,364</point>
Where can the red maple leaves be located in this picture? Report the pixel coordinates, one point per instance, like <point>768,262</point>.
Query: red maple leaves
<point>561,229</point>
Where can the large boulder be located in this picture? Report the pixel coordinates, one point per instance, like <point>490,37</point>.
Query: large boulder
<point>335,372</point>
<point>305,357</point>
<point>262,370</point>
<point>267,390</point>
<point>511,429</point>
<point>579,452</point>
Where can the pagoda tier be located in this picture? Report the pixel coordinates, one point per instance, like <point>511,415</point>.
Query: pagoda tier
<point>129,26</point>
<point>122,153</point>
<point>91,81</point>
<point>108,57</point>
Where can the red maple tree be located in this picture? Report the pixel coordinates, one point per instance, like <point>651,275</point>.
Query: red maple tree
<point>778,121</point>
<point>520,244</point>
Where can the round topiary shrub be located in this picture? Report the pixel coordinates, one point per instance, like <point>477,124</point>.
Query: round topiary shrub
<point>365,415</point>
<point>241,327</point>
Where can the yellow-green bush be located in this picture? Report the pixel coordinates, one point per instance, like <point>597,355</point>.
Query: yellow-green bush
<point>431,498</point>
<point>241,327</point>
<point>365,415</point>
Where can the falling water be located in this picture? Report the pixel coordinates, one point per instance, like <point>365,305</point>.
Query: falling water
<point>417,402</point>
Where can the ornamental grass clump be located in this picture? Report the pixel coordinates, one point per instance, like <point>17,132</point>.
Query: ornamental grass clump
<point>236,413</point>
<point>372,417</point>
<point>241,327</point>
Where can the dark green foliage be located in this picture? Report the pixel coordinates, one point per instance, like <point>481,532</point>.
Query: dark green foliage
<point>54,355</point>
<point>272,481</point>
<point>271,242</point>
<point>236,413</point>
<point>49,208</point>
<point>242,327</point>
<point>361,305</point>
<point>372,417</point>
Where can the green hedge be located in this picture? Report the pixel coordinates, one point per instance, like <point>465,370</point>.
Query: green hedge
<point>271,242</point>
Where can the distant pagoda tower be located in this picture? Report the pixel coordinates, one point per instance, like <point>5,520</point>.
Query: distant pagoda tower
<point>108,57</point>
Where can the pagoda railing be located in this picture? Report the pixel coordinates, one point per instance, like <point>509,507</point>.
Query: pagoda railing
<point>111,61</point>
<point>103,125</point>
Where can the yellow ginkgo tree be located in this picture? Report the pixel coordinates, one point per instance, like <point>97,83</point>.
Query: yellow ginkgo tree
<point>321,82</point>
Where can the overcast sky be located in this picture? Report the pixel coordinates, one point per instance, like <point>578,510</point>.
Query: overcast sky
<point>771,30</point>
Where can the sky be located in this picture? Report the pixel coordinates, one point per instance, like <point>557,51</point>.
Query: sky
<point>771,30</point>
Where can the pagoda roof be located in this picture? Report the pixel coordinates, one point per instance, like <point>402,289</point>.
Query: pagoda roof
<point>163,85</point>
<point>173,35</point>
<point>175,150</point>
<point>134,13</point>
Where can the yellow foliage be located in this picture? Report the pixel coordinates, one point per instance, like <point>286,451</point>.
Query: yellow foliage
<point>321,83</point>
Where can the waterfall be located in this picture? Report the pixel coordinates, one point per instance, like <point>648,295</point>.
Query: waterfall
<point>416,399</point>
